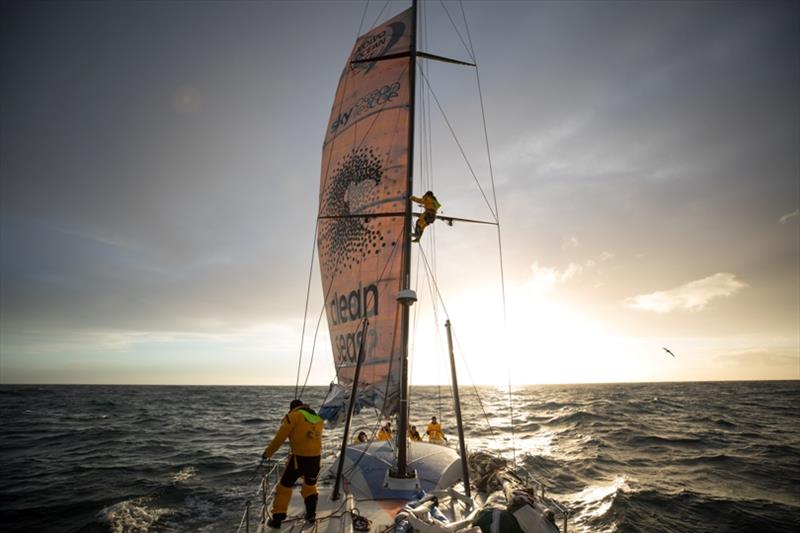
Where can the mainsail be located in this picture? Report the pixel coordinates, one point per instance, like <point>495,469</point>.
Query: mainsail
<point>364,172</point>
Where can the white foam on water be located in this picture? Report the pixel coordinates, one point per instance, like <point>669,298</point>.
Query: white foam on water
<point>131,516</point>
<point>596,500</point>
<point>537,443</point>
<point>184,474</point>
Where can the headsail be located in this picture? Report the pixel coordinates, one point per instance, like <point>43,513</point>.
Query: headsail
<point>364,169</point>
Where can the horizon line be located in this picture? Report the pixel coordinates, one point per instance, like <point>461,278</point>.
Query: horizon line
<point>34,384</point>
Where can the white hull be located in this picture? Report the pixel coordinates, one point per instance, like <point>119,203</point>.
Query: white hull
<point>367,491</point>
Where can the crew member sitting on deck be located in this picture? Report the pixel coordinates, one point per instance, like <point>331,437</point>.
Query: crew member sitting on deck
<point>362,437</point>
<point>303,427</point>
<point>414,435</point>
<point>431,205</point>
<point>435,432</point>
<point>385,433</point>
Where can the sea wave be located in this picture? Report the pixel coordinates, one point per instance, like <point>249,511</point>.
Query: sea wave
<point>701,457</point>
<point>137,515</point>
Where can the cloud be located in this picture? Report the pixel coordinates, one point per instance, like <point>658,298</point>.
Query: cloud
<point>571,242</point>
<point>545,279</point>
<point>787,216</point>
<point>692,296</point>
<point>602,258</point>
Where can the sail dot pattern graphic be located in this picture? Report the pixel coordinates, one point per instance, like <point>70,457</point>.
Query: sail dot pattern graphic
<point>345,242</point>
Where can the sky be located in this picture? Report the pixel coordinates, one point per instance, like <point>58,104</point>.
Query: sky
<point>159,173</point>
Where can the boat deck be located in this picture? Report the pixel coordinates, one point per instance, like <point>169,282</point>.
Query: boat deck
<point>366,491</point>
<point>370,499</point>
<point>337,516</point>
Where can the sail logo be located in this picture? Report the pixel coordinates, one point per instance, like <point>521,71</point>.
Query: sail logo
<point>360,303</point>
<point>377,44</point>
<point>346,242</point>
<point>347,346</point>
<point>365,103</point>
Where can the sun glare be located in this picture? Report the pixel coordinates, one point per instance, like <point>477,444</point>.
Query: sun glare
<point>543,340</point>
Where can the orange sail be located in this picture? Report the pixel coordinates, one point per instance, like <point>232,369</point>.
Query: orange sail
<point>364,172</point>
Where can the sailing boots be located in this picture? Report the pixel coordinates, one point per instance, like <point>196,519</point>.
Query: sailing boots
<point>275,521</point>
<point>311,508</point>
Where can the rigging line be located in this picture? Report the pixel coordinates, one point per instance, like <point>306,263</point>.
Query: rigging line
<point>319,210</point>
<point>305,311</point>
<point>415,320</point>
<point>416,286</point>
<point>325,292</point>
<point>471,53</point>
<point>391,361</point>
<point>491,167</point>
<point>323,187</point>
<point>363,16</point>
<point>366,448</point>
<point>483,115</point>
<point>380,278</point>
<point>499,239</point>
<point>426,164</point>
<point>421,99</point>
<point>466,26</point>
<point>424,175</point>
<point>324,181</point>
<point>474,387</point>
<point>427,123</point>
<point>379,14</point>
<point>463,154</point>
<point>429,278</point>
<point>403,233</point>
<point>426,95</point>
<point>319,320</point>
<point>313,351</point>
<point>461,351</point>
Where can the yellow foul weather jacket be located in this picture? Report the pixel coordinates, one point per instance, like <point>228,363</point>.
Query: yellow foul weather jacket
<point>304,430</point>
<point>428,202</point>
<point>383,435</point>
<point>435,431</point>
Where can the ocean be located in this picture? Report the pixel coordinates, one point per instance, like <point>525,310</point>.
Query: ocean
<point>673,457</point>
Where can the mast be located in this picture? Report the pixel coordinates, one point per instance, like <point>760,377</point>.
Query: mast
<point>402,425</point>
<point>457,402</point>
<point>350,407</point>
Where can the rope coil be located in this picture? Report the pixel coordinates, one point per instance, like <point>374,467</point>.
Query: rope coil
<point>360,523</point>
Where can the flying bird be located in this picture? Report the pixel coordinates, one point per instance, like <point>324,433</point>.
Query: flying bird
<point>668,351</point>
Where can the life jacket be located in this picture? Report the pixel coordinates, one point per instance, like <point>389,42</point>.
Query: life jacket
<point>383,435</point>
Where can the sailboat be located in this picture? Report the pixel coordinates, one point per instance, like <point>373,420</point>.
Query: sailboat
<point>364,246</point>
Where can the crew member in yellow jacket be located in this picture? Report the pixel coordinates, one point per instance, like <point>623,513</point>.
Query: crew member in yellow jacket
<point>431,205</point>
<point>435,432</point>
<point>303,427</point>
<point>385,433</point>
